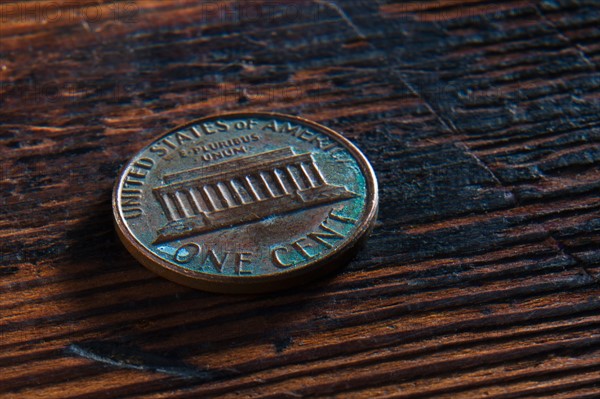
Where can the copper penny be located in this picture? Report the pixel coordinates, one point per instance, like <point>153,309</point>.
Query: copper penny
<point>245,203</point>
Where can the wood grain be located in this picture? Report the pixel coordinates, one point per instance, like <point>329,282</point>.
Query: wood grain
<point>481,120</point>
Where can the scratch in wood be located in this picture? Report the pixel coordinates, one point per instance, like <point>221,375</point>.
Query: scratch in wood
<point>564,250</point>
<point>340,11</point>
<point>251,40</point>
<point>563,36</point>
<point>479,162</point>
<point>511,195</point>
<point>124,357</point>
<point>448,123</point>
<point>86,26</point>
<point>292,394</point>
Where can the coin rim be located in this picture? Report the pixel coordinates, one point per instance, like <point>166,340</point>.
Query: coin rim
<point>261,283</point>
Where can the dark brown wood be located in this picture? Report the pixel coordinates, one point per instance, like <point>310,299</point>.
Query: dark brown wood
<point>482,121</point>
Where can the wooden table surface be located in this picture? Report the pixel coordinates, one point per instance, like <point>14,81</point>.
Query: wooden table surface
<point>481,119</point>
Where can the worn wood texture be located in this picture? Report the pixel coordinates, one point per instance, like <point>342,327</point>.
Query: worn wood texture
<point>482,120</point>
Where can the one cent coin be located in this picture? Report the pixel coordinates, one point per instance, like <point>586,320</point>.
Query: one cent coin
<point>245,203</point>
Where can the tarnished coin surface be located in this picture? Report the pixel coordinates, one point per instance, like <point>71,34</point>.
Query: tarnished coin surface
<point>245,203</point>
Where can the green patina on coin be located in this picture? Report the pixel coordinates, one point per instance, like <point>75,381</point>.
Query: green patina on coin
<point>245,202</point>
